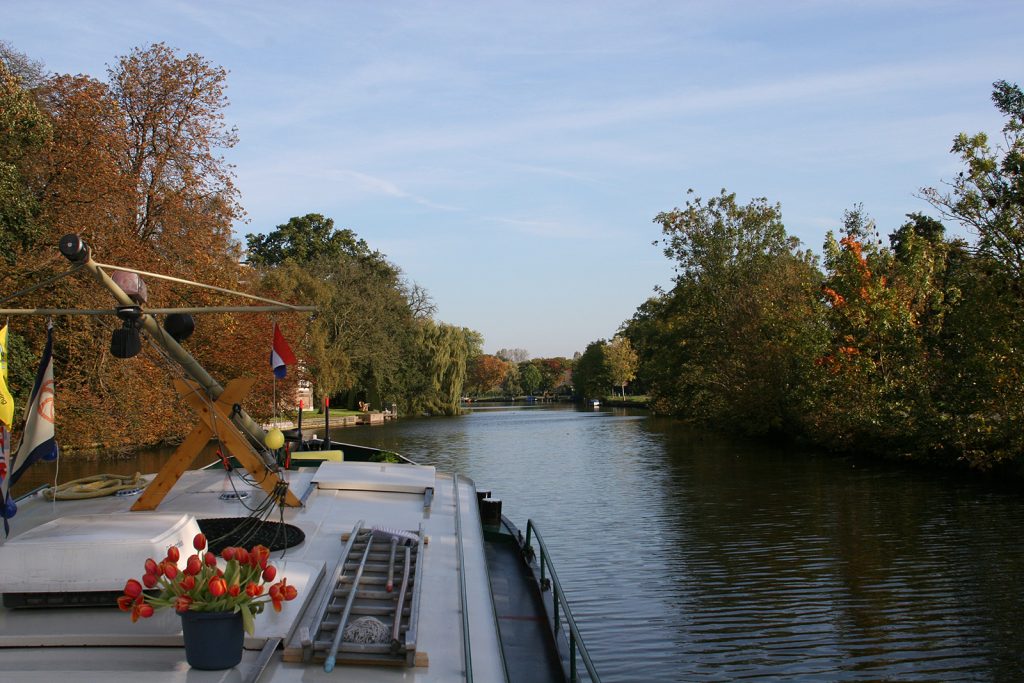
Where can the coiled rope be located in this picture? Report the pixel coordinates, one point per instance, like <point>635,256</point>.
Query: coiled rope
<point>96,486</point>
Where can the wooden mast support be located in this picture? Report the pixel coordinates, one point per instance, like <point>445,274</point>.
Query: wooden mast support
<point>215,421</point>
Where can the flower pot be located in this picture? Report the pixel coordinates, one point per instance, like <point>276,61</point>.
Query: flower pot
<point>213,640</point>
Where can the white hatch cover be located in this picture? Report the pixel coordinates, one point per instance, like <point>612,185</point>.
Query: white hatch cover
<point>91,552</point>
<point>375,476</point>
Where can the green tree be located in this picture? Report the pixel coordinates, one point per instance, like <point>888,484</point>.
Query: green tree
<point>529,377</point>
<point>510,383</point>
<point>363,334</point>
<point>309,238</point>
<point>622,361</point>
<point>985,333</point>
<point>734,339</point>
<point>988,196</point>
<point>590,374</point>
<point>442,354</point>
<point>24,132</point>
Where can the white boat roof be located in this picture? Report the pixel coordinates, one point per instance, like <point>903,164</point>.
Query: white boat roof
<point>97,644</point>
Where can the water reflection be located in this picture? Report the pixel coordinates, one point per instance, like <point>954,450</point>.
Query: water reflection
<point>690,557</point>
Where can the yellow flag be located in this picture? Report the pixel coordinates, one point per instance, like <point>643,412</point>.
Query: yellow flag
<point>6,401</point>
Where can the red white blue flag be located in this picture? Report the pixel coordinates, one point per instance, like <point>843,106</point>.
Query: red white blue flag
<point>281,355</point>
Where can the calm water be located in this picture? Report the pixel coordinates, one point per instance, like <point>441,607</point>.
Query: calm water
<point>692,558</point>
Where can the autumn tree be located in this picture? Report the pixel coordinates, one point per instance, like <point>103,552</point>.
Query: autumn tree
<point>555,373</point>
<point>133,166</point>
<point>485,373</point>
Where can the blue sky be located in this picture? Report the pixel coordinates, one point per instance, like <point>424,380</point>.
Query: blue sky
<point>510,157</point>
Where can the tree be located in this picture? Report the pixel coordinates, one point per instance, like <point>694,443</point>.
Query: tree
<point>24,132</point>
<point>510,383</point>
<point>591,375</point>
<point>174,109</point>
<point>485,373</point>
<point>442,355</point>
<point>529,377</point>
<point>141,144</point>
<point>733,340</point>
<point>988,196</point>
<point>30,72</point>
<point>513,355</point>
<point>554,373</point>
<point>622,361</point>
<point>308,238</point>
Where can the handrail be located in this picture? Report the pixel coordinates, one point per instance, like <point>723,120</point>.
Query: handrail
<point>464,600</point>
<point>558,598</point>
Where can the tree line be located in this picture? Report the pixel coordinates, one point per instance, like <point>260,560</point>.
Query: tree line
<point>134,165</point>
<point>911,346</point>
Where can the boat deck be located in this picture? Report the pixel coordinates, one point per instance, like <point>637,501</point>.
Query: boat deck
<point>99,644</point>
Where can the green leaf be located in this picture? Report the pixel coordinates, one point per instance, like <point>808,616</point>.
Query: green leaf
<point>247,620</point>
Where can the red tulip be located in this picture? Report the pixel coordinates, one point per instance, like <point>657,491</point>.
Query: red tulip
<point>199,542</point>
<point>242,555</point>
<point>150,580</point>
<point>124,603</point>
<point>234,589</point>
<point>218,586</point>
<point>261,553</point>
<point>253,589</point>
<point>173,554</point>
<point>144,610</point>
<point>152,567</point>
<point>182,603</point>
<point>188,583</point>
<point>194,565</point>
<point>209,559</point>
<point>269,573</point>
<point>228,553</point>
<point>170,570</point>
<point>133,588</point>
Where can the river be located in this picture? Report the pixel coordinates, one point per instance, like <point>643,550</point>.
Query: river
<point>695,557</point>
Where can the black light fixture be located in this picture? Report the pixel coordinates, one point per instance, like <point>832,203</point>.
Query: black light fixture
<point>180,326</point>
<point>125,342</point>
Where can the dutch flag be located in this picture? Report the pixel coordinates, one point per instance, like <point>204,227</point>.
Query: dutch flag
<point>281,355</point>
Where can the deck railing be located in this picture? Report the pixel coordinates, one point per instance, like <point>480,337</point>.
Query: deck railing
<point>561,606</point>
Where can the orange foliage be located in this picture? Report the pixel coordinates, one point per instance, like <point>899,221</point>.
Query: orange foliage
<point>132,168</point>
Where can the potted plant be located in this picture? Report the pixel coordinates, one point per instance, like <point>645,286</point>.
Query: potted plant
<point>216,603</point>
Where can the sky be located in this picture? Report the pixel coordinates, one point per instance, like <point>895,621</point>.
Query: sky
<point>510,157</point>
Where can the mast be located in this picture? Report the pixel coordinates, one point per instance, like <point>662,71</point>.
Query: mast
<point>78,252</point>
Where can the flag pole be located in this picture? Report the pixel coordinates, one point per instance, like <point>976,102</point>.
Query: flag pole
<point>272,372</point>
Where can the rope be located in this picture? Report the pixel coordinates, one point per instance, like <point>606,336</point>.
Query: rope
<point>96,486</point>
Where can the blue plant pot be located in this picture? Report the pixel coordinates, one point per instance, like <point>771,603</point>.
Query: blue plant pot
<point>213,640</point>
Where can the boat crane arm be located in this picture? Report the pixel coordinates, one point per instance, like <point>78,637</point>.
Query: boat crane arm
<point>78,252</point>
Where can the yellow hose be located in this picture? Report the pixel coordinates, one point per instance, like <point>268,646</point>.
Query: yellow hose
<point>96,486</point>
